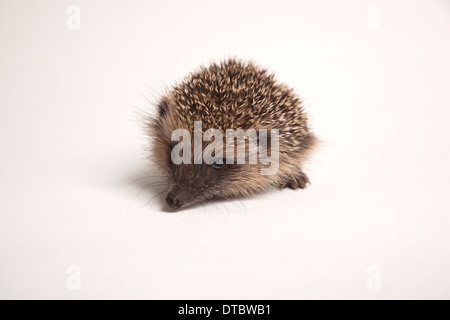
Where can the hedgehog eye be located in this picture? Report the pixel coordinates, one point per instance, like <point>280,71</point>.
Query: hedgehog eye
<point>218,164</point>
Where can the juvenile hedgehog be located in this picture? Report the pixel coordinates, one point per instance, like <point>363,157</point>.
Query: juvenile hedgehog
<point>230,95</point>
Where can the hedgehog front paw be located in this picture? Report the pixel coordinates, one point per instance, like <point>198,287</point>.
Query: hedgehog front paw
<point>299,181</point>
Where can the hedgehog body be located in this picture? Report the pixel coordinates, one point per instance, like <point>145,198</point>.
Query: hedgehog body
<point>230,95</point>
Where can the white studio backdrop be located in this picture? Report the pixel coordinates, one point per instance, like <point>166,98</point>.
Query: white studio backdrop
<point>374,224</point>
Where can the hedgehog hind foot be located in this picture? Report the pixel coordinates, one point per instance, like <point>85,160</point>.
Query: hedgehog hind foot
<point>300,181</point>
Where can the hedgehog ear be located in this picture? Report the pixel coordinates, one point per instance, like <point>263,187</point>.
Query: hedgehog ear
<point>162,108</point>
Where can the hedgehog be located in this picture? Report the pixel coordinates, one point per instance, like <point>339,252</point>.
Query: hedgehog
<point>231,94</point>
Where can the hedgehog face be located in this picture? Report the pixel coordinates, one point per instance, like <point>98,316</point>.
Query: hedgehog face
<point>195,177</point>
<point>195,183</point>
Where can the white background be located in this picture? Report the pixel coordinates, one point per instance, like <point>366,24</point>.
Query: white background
<point>71,144</point>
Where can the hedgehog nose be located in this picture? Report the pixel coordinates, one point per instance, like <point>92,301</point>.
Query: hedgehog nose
<point>174,201</point>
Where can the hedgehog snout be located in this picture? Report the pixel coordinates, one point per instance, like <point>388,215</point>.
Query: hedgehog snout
<point>174,201</point>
